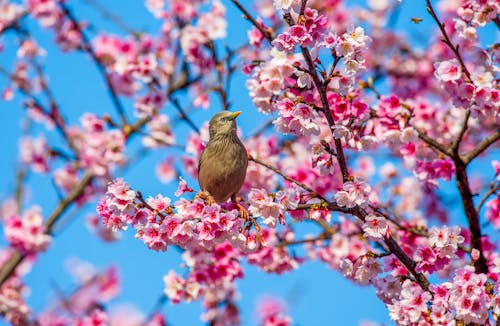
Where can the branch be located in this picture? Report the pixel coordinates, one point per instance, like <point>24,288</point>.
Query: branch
<point>470,213</point>
<point>183,114</point>
<point>320,86</point>
<point>496,20</point>
<point>447,41</point>
<point>112,17</point>
<point>219,68</point>
<point>275,170</point>
<point>321,237</point>
<point>53,114</point>
<point>492,190</point>
<point>394,248</point>
<point>482,146</point>
<point>87,47</point>
<point>433,143</point>
<point>16,258</point>
<point>456,143</point>
<point>392,245</point>
<point>268,35</point>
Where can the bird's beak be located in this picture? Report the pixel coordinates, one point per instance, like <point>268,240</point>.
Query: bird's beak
<point>235,114</point>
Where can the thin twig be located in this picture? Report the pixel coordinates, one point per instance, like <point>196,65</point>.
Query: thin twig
<point>87,47</point>
<point>492,190</point>
<point>292,180</point>
<point>268,35</point>
<point>183,114</point>
<point>219,68</point>
<point>447,41</point>
<point>259,131</point>
<point>111,16</point>
<point>321,237</point>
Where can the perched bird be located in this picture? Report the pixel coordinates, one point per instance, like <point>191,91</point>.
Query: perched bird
<point>223,162</point>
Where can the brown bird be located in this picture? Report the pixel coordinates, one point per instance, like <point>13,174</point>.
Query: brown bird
<point>223,162</point>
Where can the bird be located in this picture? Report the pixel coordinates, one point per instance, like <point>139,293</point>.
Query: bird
<point>223,163</point>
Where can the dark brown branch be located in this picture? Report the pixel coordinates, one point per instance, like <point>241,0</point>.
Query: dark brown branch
<point>481,147</point>
<point>492,190</point>
<point>496,20</point>
<point>219,68</point>
<point>456,144</point>
<point>447,40</point>
<point>391,244</point>
<point>394,248</point>
<point>20,177</point>
<point>407,262</point>
<point>434,144</point>
<point>183,114</point>
<point>470,213</point>
<point>268,35</point>
<point>14,23</point>
<point>320,86</point>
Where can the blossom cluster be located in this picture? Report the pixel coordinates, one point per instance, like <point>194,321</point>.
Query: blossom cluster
<point>307,32</point>
<point>214,237</point>
<point>27,232</point>
<point>296,118</point>
<point>99,149</point>
<point>354,193</point>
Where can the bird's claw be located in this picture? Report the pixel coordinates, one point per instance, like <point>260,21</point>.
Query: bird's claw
<point>205,195</point>
<point>210,200</point>
<point>243,211</point>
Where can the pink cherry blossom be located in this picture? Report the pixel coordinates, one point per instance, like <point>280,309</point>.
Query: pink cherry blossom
<point>27,233</point>
<point>449,70</point>
<point>353,193</point>
<point>375,226</point>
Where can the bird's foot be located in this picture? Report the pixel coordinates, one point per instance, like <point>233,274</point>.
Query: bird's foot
<point>205,195</point>
<point>243,211</point>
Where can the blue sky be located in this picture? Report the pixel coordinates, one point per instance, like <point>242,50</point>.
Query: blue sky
<point>319,294</point>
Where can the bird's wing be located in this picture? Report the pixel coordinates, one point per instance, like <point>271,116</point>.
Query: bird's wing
<point>200,161</point>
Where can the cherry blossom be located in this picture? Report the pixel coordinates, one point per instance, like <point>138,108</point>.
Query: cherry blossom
<point>27,232</point>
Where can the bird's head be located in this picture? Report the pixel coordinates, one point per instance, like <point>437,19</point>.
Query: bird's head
<point>223,123</point>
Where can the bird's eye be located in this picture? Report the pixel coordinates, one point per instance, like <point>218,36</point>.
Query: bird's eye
<point>223,119</point>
